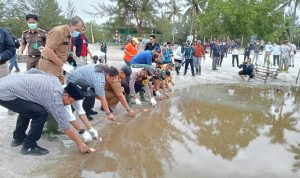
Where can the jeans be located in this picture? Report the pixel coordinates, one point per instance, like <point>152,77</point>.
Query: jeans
<point>255,59</point>
<point>187,62</point>
<point>215,62</point>
<point>13,63</point>
<point>27,110</point>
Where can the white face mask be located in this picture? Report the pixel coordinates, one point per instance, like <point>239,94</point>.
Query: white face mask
<point>32,26</point>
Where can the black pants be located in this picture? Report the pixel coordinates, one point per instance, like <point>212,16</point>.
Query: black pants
<point>275,59</point>
<point>237,60</point>
<point>27,110</point>
<point>89,102</point>
<point>138,86</point>
<point>221,60</point>
<point>187,62</point>
<point>246,56</point>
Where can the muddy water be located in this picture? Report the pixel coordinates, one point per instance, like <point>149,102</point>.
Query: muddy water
<point>202,131</point>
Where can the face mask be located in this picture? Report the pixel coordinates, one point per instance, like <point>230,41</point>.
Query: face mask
<point>75,34</point>
<point>32,26</point>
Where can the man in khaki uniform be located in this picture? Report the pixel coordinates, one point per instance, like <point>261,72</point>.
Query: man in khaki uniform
<point>114,91</point>
<point>33,38</point>
<point>57,48</point>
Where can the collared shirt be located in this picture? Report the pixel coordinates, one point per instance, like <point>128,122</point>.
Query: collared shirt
<point>58,39</point>
<point>38,87</point>
<point>96,79</point>
<point>150,46</point>
<point>114,86</point>
<point>34,39</point>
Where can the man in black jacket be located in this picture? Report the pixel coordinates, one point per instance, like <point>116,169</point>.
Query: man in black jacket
<point>152,44</point>
<point>7,50</point>
<point>247,69</point>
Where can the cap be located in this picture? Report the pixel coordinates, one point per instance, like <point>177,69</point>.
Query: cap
<point>156,48</point>
<point>74,91</point>
<point>84,87</point>
<point>127,71</point>
<point>135,40</point>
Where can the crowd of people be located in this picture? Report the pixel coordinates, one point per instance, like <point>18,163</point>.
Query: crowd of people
<point>59,80</point>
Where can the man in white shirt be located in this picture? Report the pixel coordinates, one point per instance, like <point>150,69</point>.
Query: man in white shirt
<point>276,53</point>
<point>293,49</point>
<point>268,50</point>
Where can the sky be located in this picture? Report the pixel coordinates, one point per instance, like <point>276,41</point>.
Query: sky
<point>84,5</point>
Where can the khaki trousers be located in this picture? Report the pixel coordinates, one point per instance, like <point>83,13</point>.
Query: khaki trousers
<point>50,67</point>
<point>3,70</point>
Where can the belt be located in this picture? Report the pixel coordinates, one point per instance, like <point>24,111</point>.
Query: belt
<point>34,56</point>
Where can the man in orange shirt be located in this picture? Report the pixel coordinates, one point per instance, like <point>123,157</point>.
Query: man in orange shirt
<point>199,52</point>
<point>130,51</point>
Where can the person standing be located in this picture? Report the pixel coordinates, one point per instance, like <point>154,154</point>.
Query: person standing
<point>152,44</point>
<point>57,48</point>
<point>247,52</point>
<point>276,54</point>
<point>293,50</point>
<point>103,48</point>
<point>167,53</point>
<point>268,50</point>
<point>199,52</point>
<point>130,50</point>
<point>178,57</point>
<point>216,55</point>
<point>7,50</point>
<point>235,55</point>
<point>256,53</point>
<point>285,55</point>
<point>81,49</point>
<point>33,95</point>
<point>33,38</point>
<point>223,52</point>
<point>189,53</point>
<point>13,61</point>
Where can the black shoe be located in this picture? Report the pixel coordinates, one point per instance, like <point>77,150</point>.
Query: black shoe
<point>16,143</point>
<point>36,151</point>
<point>102,109</point>
<point>92,112</point>
<point>90,118</point>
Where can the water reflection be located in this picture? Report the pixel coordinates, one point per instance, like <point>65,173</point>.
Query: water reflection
<point>211,116</point>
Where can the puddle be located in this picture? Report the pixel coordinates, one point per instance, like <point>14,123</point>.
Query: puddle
<point>202,131</point>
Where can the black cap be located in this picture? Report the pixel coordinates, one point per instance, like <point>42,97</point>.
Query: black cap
<point>127,71</point>
<point>74,91</point>
<point>32,16</point>
<point>84,87</point>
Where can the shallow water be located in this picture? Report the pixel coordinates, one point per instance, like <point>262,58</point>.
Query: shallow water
<point>202,131</point>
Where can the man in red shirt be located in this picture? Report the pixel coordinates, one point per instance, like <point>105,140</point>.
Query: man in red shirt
<point>81,50</point>
<point>199,52</point>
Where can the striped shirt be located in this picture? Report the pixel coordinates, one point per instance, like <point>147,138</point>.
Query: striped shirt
<point>96,79</point>
<point>38,87</point>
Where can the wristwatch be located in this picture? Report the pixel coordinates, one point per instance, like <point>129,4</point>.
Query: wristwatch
<point>128,109</point>
<point>81,131</point>
<point>108,113</point>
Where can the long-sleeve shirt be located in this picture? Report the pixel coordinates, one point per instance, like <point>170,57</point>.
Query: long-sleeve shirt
<point>135,75</point>
<point>144,57</point>
<point>38,87</point>
<point>95,79</point>
<point>7,46</point>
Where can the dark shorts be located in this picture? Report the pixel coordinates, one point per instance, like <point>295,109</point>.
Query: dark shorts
<point>246,73</point>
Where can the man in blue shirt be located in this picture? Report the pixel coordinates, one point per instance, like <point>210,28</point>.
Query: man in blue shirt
<point>146,57</point>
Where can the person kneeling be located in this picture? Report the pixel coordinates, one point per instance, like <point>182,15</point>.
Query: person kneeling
<point>247,69</point>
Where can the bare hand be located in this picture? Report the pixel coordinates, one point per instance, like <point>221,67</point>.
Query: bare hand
<point>131,113</point>
<point>110,117</point>
<point>84,148</point>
